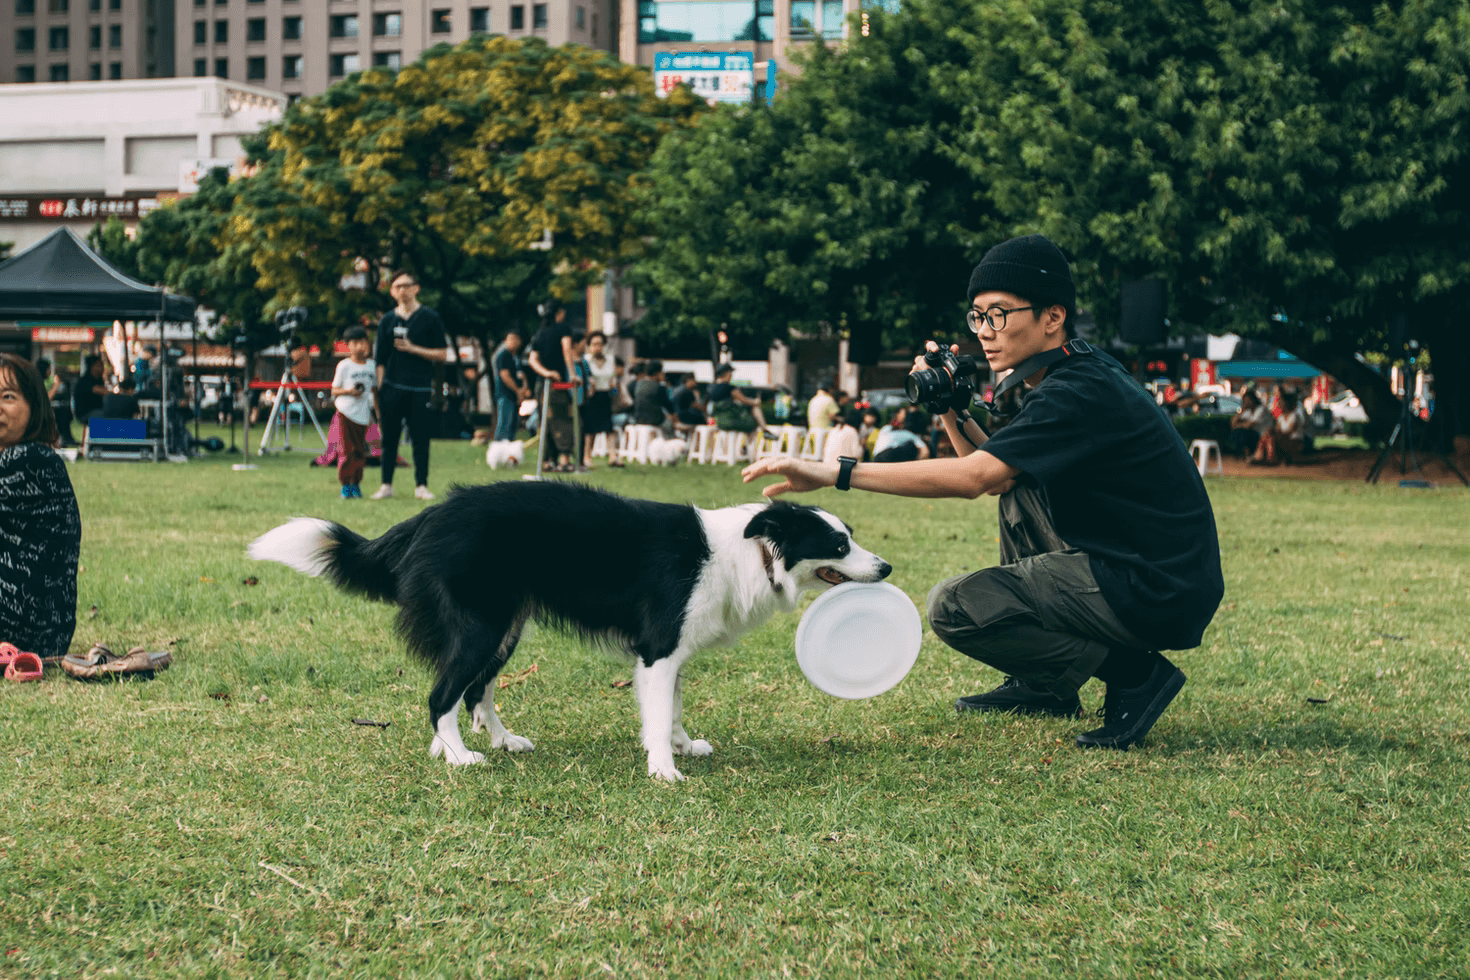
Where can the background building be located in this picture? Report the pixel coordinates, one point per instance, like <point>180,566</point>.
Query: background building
<point>86,40</point>
<point>82,152</point>
<point>300,47</point>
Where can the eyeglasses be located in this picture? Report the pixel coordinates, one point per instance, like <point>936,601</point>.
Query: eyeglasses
<point>404,285</point>
<point>995,317</point>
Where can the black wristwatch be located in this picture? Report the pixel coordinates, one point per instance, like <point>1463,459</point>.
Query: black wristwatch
<point>844,472</point>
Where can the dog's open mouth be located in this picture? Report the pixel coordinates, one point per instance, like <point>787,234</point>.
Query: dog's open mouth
<point>831,575</point>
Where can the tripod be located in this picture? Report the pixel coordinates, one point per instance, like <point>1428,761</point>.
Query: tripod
<point>1403,439</point>
<point>288,382</point>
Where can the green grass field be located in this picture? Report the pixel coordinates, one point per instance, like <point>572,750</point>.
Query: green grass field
<point>1300,811</point>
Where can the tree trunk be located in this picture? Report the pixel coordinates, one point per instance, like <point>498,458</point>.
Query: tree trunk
<point>1449,426</point>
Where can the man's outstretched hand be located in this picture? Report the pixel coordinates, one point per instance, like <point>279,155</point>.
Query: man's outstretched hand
<point>801,476</point>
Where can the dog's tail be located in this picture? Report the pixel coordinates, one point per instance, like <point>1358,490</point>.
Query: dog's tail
<point>353,563</point>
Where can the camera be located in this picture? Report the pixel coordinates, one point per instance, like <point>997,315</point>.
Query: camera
<point>947,383</point>
<point>291,320</point>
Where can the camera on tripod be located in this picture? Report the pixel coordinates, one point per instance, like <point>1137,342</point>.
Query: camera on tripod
<point>289,321</point>
<point>949,382</point>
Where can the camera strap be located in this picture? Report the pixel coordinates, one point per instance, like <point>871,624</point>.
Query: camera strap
<point>1033,364</point>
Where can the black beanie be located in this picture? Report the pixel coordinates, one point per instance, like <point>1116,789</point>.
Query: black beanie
<point>1029,266</point>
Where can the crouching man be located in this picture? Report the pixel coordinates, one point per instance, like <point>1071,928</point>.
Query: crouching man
<point>1108,546</point>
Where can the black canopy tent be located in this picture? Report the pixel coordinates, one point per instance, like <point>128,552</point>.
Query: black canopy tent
<point>61,278</point>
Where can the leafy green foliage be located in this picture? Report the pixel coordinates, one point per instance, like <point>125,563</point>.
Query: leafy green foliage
<point>454,167</point>
<point>837,204</point>
<point>1294,171</point>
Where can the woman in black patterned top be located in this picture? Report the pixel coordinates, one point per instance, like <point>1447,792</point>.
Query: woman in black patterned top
<point>40,529</point>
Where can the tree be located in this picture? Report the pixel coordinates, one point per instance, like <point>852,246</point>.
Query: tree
<point>1292,170</point>
<point>837,204</point>
<point>183,246</point>
<point>455,167</point>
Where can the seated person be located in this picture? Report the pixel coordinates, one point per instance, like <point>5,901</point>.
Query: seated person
<point>90,389</point>
<point>1291,427</point>
<point>845,439</point>
<point>904,438</point>
<point>1244,432</point>
<point>651,402</point>
<point>732,409</point>
<point>123,403</point>
<point>687,406</point>
<point>40,528</point>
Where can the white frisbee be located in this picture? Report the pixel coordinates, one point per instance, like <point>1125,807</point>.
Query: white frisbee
<point>858,639</point>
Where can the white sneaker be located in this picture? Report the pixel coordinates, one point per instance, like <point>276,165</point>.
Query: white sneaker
<point>422,492</point>
<point>384,492</point>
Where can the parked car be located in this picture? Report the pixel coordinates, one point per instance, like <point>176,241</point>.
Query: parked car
<point>1345,407</point>
<point>1218,404</point>
<point>886,401</point>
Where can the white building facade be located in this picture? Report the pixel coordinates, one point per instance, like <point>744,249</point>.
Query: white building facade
<point>80,152</point>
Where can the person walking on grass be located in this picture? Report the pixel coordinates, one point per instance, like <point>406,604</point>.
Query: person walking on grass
<point>410,342</point>
<point>1108,546</point>
<point>353,388</point>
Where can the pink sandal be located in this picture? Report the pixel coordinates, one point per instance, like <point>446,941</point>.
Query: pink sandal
<point>19,665</point>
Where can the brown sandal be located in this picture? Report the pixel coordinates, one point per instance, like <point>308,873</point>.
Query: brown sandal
<point>100,662</point>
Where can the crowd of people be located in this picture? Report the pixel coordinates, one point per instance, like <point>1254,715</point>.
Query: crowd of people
<point>606,394</point>
<point>1268,434</point>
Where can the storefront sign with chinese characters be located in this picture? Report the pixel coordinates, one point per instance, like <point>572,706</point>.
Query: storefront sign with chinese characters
<point>55,207</point>
<point>717,76</point>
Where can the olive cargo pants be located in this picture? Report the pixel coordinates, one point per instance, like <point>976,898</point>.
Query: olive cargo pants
<point>1038,615</point>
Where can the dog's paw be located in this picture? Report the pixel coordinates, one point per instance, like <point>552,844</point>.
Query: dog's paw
<point>665,773</point>
<point>688,746</point>
<point>453,756</point>
<point>512,743</point>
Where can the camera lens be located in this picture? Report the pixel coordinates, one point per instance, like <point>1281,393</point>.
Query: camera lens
<point>927,386</point>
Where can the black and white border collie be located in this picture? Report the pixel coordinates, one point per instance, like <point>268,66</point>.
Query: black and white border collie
<point>659,581</point>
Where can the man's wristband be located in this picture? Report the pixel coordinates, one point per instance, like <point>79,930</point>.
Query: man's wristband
<point>844,472</point>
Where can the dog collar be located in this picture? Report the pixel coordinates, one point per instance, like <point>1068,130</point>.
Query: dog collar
<point>768,560</point>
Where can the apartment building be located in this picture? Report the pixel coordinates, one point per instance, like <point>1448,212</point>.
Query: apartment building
<point>85,40</point>
<point>300,47</point>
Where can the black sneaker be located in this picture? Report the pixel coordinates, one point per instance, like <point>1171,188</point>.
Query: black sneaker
<point>1128,713</point>
<point>1015,695</point>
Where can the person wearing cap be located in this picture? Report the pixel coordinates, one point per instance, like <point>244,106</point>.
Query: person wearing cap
<point>1108,547</point>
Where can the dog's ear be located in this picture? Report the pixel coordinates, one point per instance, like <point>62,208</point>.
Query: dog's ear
<point>767,523</point>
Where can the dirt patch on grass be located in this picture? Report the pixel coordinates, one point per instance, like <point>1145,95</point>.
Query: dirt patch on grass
<point>1352,465</point>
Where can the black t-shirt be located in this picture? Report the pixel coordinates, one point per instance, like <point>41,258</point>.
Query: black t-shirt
<point>507,361</point>
<point>400,368</point>
<point>547,344</point>
<point>1122,488</point>
<point>84,400</point>
<point>651,402</point>
<point>684,400</point>
<point>119,406</point>
<point>720,392</point>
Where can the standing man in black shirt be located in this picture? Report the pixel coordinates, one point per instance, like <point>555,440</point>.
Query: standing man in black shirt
<point>1108,545</point>
<point>410,342</point>
<point>551,357</point>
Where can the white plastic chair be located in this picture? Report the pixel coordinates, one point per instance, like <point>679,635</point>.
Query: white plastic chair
<point>702,444</point>
<point>813,443</point>
<point>1207,458</point>
<point>639,436</point>
<point>731,447</point>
